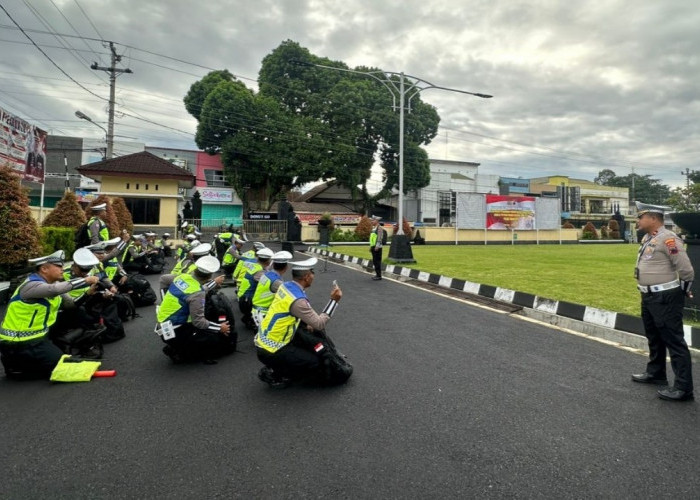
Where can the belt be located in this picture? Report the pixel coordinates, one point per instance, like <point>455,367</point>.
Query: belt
<point>659,288</point>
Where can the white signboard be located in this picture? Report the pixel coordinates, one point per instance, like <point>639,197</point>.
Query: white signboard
<point>216,195</point>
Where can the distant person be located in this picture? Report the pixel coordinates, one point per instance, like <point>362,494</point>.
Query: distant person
<point>96,227</point>
<point>664,275</point>
<point>376,238</point>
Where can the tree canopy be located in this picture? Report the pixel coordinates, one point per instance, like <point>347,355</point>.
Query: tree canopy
<point>308,123</point>
<point>643,188</point>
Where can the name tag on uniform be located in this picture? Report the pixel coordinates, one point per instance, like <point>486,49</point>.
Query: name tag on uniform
<point>166,330</point>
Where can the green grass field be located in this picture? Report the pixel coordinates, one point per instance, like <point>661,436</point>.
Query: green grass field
<point>595,275</point>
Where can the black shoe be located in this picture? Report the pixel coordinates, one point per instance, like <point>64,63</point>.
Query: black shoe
<point>672,394</point>
<point>645,378</point>
<point>170,352</point>
<point>376,278</point>
<point>268,376</point>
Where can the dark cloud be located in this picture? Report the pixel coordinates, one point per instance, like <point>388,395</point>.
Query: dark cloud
<point>577,87</point>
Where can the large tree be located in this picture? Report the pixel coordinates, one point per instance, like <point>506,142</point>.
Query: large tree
<point>641,187</point>
<point>360,111</point>
<point>308,123</point>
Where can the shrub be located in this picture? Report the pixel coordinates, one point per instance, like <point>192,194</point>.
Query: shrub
<point>340,235</point>
<point>363,229</point>
<point>58,238</point>
<point>604,232</point>
<point>568,225</point>
<point>614,229</point>
<point>19,232</point>
<point>589,232</point>
<point>66,213</point>
<point>123,215</point>
<point>406,228</point>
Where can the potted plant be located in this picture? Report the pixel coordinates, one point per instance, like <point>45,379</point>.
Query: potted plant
<point>326,220</point>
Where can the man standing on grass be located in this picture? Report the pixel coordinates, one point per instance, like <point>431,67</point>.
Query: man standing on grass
<point>375,245</point>
<point>664,275</point>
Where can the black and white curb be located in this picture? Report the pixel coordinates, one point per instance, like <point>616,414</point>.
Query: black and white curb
<point>587,314</point>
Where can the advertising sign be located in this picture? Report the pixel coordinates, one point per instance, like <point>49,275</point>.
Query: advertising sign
<point>23,146</point>
<point>216,195</point>
<point>510,212</point>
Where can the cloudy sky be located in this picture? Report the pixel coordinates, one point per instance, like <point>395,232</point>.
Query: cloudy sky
<point>577,86</point>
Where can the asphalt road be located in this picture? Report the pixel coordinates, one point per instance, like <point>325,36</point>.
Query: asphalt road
<point>447,400</point>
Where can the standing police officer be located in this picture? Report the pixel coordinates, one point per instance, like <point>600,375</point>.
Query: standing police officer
<point>96,227</point>
<point>664,275</point>
<point>375,246</point>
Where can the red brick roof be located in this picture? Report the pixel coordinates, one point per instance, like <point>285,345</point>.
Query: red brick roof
<point>143,165</point>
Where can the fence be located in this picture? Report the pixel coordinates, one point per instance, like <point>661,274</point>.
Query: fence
<point>258,230</point>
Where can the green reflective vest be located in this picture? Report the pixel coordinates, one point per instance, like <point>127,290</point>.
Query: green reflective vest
<point>278,327</point>
<point>25,321</point>
<point>174,307</point>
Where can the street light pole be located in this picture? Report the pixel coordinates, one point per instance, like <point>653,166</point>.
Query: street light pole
<point>400,247</point>
<point>85,117</point>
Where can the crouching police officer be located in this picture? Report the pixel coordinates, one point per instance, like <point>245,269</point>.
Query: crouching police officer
<point>292,352</point>
<point>25,349</point>
<point>664,275</point>
<point>188,334</point>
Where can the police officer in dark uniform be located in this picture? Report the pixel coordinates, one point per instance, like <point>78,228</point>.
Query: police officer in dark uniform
<point>376,238</point>
<point>25,348</point>
<point>664,275</point>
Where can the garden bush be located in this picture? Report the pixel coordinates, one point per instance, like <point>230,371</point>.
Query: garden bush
<point>66,213</point>
<point>589,232</point>
<point>363,229</point>
<point>614,229</point>
<point>58,238</point>
<point>339,234</point>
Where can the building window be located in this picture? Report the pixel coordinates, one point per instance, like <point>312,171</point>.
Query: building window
<point>156,187</point>
<point>137,186</point>
<point>146,187</point>
<point>144,210</point>
<point>127,185</point>
<point>214,178</point>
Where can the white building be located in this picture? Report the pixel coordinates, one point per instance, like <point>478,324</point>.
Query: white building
<point>435,204</point>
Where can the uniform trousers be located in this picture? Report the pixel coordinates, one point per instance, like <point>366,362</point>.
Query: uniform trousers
<point>190,343</point>
<point>662,315</point>
<point>29,359</point>
<point>297,360</point>
<point>377,261</point>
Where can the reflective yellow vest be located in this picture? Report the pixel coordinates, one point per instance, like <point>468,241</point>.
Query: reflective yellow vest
<point>263,296</point>
<point>25,321</point>
<point>104,231</point>
<point>278,326</point>
<point>111,267</point>
<point>76,293</point>
<point>174,306</point>
<point>247,285</point>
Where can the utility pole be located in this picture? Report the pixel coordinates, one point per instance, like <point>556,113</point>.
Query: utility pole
<point>113,72</point>
<point>687,177</point>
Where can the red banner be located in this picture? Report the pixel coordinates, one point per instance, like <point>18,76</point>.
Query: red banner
<point>510,212</point>
<point>22,146</point>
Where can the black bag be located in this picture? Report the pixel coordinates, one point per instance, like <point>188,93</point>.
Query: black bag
<point>138,287</point>
<point>125,307</point>
<point>81,342</point>
<point>384,236</point>
<point>81,238</point>
<point>216,306</point>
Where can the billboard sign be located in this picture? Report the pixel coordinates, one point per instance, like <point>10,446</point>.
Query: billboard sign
<point>23,147</point>
<point>510,212</point>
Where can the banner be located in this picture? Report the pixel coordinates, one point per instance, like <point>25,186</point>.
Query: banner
<point>23,147</point>
<point>216,195</point>
<point>510,212</point>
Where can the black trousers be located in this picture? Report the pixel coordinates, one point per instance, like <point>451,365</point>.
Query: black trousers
<point>662,315</point>
<point>297,360</point>
<point>245,305</point>
<point>32,359</point>
<point>377,260</point>
<point>194,344</point>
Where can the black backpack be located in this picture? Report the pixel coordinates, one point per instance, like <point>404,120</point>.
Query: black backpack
<point>384,236</point>
<point>140,290</point>
<point>81,237</point>
<point>218,305</point>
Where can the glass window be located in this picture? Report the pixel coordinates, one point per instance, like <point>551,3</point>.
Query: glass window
<point>144,210</point>
<point>214,178</point>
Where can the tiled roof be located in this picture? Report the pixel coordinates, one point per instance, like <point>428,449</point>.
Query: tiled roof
<point>138,164</point>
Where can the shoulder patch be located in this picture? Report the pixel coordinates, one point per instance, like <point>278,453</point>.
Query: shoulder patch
<point>671,245</point>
